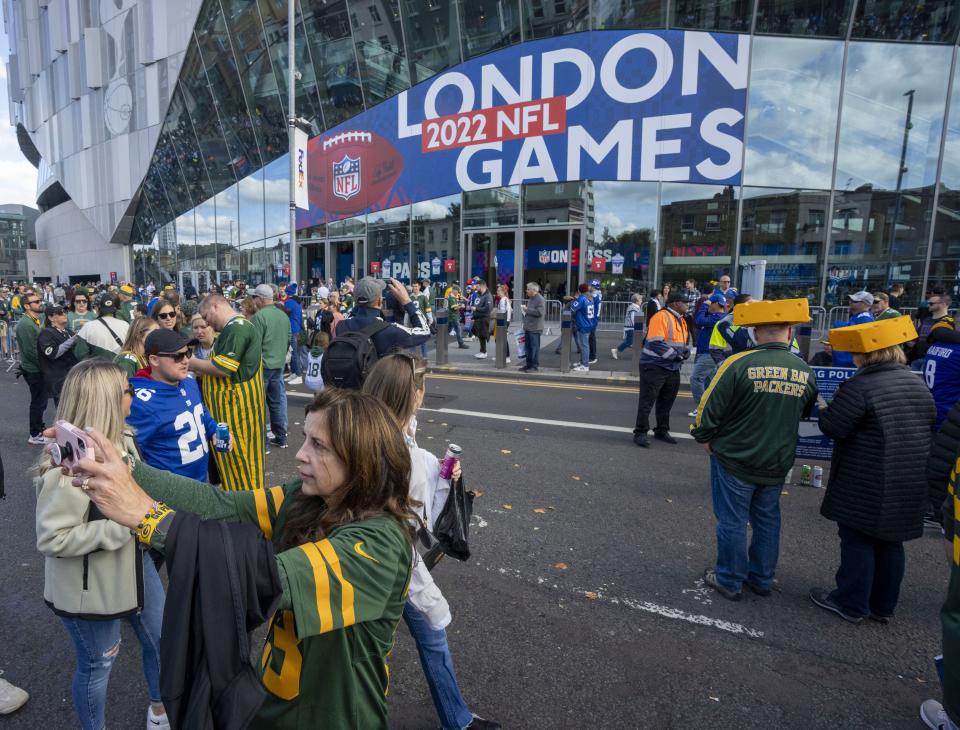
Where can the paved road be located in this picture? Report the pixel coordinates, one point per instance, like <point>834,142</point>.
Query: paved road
<point>581,605</point>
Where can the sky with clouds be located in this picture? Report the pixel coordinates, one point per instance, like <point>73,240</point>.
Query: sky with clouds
<point>18,178</point>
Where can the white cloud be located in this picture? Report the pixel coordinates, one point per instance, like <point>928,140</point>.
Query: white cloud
<point>18,178</point>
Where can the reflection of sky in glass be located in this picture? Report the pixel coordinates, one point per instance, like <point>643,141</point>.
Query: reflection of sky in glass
<point>276,189</point>
<point>436,209</point>
<point>950,176</point>
<point>792,114</point>
<point>874,114</point>
<point>624,206</point>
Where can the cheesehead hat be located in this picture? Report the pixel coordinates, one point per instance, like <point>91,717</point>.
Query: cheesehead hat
<point>775,311</point>
<point>871,336</point>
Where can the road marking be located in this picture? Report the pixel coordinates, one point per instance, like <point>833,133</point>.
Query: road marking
<point>676,614</point>
<point>532,383</point>
<point>542,421</point>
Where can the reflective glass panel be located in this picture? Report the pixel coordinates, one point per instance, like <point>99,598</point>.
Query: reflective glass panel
<point>276,191</point>
<point>488,24</point>
<point>213,40</point>
<point>205,258</point>
<point>545,18</point>
<point>623,234</point>
<point>893,106</point>
<point>167,164</point>
<point>491,207</point>
<point>433,36</point>
<point>792,112</point>
<point>787,229</point>
<point>251,207</point>
<point>334,59</point>
<point>185,143</point>
<point>553,203</point>
<point>256,75</point>
<point>228,223</point>
<point>436,239</point>
<point>945,258</point>
<point>253,263</point>
<point>935,21</point>
<point>612,14</point>
<point>347,227</point>
<point>388,241</point>
<point>383,61</point>
<point>713,14</point>
<point>277,258</point>
<point>804,17</point>
<point>698,226</point>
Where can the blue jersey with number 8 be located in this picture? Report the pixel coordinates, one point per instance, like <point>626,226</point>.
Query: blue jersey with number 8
<point>941,371</point>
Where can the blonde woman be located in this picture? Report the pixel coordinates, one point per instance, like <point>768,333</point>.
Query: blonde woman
<point>131,357</point>
<point>94,573</point>
<point>204,335</point>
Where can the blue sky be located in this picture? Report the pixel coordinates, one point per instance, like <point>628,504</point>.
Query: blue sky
<point>18,178</point>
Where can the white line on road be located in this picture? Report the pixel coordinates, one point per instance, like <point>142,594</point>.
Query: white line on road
<point>646,606</point>
<point>524,419</point>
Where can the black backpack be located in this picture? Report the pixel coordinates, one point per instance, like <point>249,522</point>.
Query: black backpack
<point>350,356</point>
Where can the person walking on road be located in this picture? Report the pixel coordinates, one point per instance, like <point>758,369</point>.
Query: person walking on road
<point>273,327</point>
<point>28,329</point>
<point>882,422</point>
<point>704,365</point>
<point>665,348</point>
<point>533,314</point>
<point>629,326</point>
<point>747,420</point>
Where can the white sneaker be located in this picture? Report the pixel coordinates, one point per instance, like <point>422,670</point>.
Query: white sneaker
<point>508,361</point>
<point>157,722</point>
<point>580,369</point>
<point>37,440</point>
<point>481,356</point>
<point>593,361</point>
<point>693,413</point>
<point>12,698</point>
<point>295,380</point>
<point>614,354</point>
<point>933,715</point>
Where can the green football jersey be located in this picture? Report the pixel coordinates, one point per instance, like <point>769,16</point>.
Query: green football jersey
<point>274,327</point>
<point>236,352</point>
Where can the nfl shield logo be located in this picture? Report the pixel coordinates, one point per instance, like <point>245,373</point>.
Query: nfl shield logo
<point>544,257</point>
<point>346,177</point>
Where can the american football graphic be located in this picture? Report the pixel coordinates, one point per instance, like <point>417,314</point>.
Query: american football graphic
<point>351,171</point>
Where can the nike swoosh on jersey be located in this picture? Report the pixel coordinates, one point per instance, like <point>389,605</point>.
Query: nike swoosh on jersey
<point>358,549</point>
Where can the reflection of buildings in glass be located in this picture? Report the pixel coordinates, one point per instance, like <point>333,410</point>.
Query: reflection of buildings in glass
<point>491,207</point>
<point>17,236</point>
<point>698,233</point>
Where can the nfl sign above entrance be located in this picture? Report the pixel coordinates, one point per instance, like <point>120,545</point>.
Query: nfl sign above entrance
<point>604,105</point>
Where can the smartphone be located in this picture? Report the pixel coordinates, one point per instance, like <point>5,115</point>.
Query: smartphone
<point>72,444</point>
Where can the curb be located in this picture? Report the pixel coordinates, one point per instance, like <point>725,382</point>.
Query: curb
<point>542,376</point>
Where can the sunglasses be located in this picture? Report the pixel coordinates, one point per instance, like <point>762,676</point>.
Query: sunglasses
<point>166,315</point>
<point>32,302</point>
<point>129,391</point>
<point>57,311</point>
<point>177,357</point>
<point>79,301</point>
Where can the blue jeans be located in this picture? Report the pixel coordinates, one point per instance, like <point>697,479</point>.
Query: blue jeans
<point>97,645</point>
<point>296,367</point>
<point>533,348</point>
<point>703,369</point>
<point>870,573</point>
<point>438,669</point>
<point>456,328</point>
<point>582,338</point>
<point>627,341</point>
<point>276,394</point>
<point>734,503</point>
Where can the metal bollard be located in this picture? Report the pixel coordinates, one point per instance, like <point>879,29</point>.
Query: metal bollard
<point>637,346</point>
<point>443,336</point>
<point>501,343</point>
<point>566,335</point>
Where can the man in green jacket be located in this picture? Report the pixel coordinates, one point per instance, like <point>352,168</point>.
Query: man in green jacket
<point>273,324</point>
<point>747,420</point>
<point>28,328</point>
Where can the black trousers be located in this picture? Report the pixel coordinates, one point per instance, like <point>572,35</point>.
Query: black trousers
<point>481,328</point>
<point>38,401</point>
<point>657,386</point>
<point>870,573</point>
<point>593,344</point>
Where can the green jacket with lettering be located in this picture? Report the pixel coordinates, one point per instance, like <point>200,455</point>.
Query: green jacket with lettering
<point>751,411</point>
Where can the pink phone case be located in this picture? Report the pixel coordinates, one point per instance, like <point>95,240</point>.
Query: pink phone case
<point>72,444</point>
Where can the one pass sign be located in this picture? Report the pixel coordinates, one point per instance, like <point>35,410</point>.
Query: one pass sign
<point>374,267</point>
<point>450,266</point>
<point>598,264</point>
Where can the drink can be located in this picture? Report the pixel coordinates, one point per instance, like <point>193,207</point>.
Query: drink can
<point>789,479</point>
<point>450,460</point>
<point>221,441</point>
<point>818,476</point>
<point>805,472</point>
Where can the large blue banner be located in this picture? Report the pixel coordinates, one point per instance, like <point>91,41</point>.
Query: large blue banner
<point>605,105</point>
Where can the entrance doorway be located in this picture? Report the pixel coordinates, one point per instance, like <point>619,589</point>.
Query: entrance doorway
<point>552,259</point>
<point>346,258</point>
<point>491,256</point>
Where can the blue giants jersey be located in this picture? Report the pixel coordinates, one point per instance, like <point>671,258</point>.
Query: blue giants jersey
<point>941,370</point>
<point>173,427</point>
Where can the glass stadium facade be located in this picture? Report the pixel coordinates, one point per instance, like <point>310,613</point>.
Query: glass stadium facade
<point>850,170</point>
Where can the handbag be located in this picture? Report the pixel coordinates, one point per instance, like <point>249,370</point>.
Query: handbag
<point>451,529</point>
<point>520,338</point>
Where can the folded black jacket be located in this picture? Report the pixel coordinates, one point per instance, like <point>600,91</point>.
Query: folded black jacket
<point>223,584</point>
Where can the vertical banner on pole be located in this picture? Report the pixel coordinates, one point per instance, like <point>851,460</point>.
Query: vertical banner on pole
<point>300,181</point>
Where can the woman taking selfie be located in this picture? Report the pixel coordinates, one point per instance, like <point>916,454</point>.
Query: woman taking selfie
<point>399,381</point>
<point>94,573</point>
<point>342,541</point>
<point>131,357</point>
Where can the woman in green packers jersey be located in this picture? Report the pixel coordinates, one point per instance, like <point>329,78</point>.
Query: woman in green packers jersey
<point>343,541</point>
<point>131,357</point>
<point>80,312</point>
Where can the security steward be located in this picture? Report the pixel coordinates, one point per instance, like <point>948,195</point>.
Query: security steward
<point>664,351</point>
<point>747,420</point>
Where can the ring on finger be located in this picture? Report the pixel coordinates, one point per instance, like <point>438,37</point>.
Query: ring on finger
<point>85,484</point>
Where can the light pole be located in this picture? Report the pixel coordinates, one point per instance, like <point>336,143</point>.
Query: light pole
<point>292,77</point>
<point>907,125</point>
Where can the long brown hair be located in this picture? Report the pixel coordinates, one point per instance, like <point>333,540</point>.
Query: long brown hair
<point>395,380</point>
<point>367,439</point>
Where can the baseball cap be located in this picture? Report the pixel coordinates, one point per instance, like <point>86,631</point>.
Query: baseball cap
<point>164,342</point>
<point>106,303</point>
<point>864,297</point>
<point>676,297</point>
<point>595,283</point>
<point>264,291</point>
<point>368,289</point>
<point>52,309</point>
<point>718,297</point>
<point>291,288</point>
